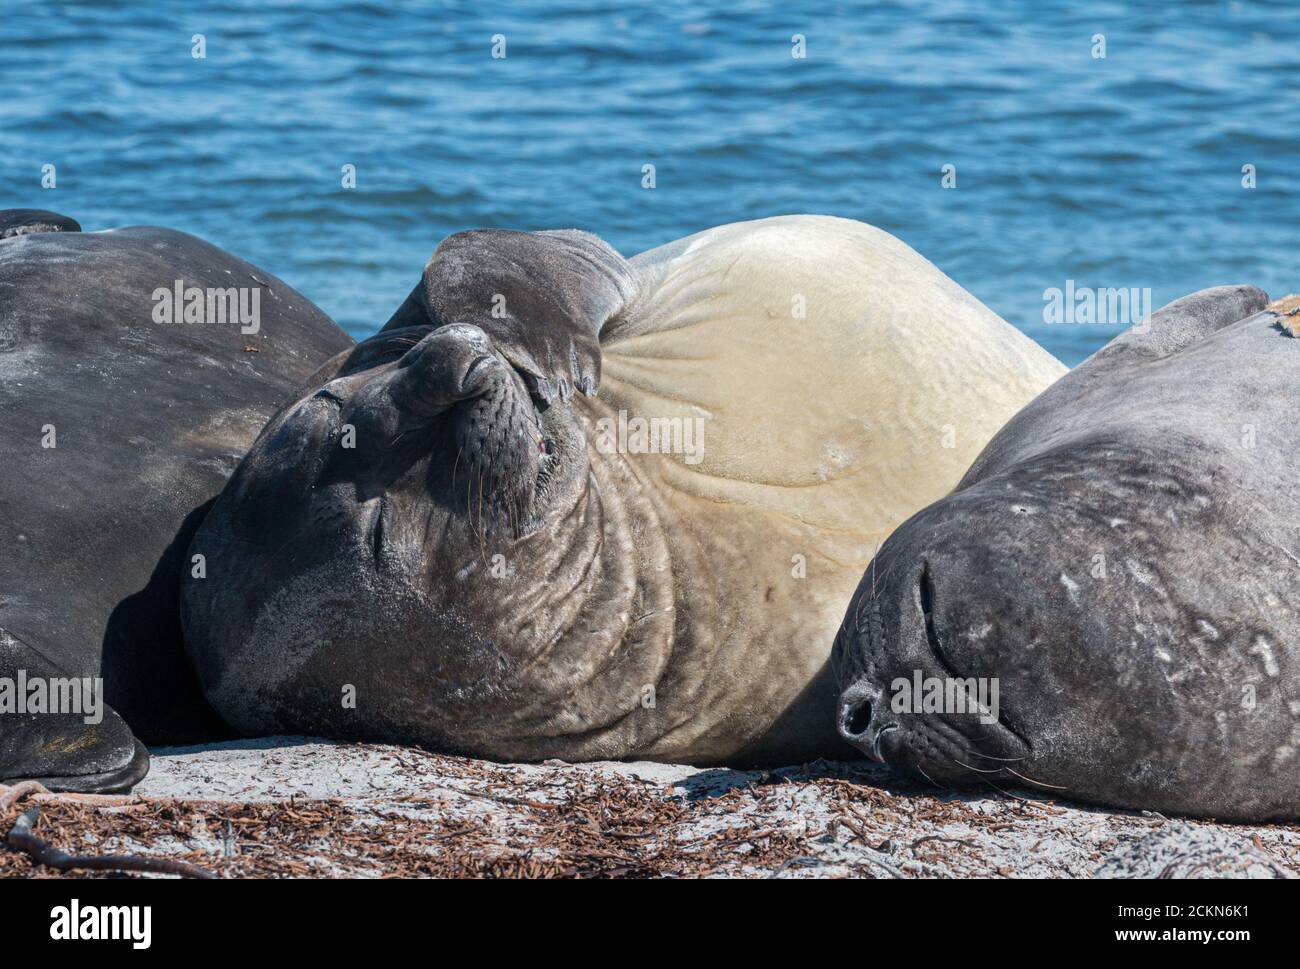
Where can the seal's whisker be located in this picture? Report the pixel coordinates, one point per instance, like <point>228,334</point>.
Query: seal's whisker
<point>456,465</point>
<point>1030,780</point>
<point>929,778</point>
<point>482,526</point>
<point>875,555</point>
<point>978,770</point>
<point>1004,760</point>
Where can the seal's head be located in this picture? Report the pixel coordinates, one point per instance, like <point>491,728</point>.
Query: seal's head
<point>1059,625</point>
<point>1100,607</point>
<point>985,629</point>
<point>922,651</point>
<point>397,544</point>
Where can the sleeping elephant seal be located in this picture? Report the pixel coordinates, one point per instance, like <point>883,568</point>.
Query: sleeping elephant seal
<point>1121,563</point>
<point>449,540</point>
<point>122,413</point>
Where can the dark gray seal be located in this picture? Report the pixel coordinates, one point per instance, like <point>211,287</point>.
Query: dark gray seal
<point>117,430</point>
<point>416,548</point>
<point>1121,560</point>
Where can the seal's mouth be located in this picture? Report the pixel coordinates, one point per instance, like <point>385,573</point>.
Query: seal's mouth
<point>541,398</point>
<point>925,596</point>
<point>876,751</point>
<point>510,440</point>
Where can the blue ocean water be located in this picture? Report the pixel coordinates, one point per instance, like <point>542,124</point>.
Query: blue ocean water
<point>1122,171</point>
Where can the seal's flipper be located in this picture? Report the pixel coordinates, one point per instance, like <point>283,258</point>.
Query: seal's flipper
<point>121,774</point>
<point>21,222</point>
<point>1181,323</point>
<point>61,749</point>
<point>542,297</point>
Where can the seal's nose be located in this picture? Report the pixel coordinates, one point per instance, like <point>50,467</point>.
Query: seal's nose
<point>855,721</point>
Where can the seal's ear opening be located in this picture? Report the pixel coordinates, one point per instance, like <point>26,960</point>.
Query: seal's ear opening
<point>22,222</point>
<point>543,298</point>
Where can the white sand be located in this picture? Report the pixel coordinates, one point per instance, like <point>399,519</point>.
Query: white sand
<point>840,819</point>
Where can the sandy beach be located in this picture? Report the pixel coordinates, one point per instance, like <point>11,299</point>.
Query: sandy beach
<point>295,807</point>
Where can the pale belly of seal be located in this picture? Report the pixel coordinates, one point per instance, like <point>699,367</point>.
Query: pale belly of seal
<point>814,382</point>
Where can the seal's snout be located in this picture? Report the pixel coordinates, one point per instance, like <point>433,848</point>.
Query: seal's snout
<point>857,718</point>
<point>451,364</point>
<point>469,358</point>
<point>860,707</point>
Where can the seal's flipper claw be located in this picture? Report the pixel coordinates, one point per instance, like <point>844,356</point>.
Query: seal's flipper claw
<point>92,751</point>
<point>22,222</point>
<point>543,297</point>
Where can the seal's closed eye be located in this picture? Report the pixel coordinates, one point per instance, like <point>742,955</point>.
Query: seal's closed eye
<point>925,595</point>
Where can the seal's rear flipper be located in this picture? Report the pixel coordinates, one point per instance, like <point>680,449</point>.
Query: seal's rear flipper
<point>542,297</point>
<point>1181,323</point>
<point>61,750</point>
<point>116,780</point>
<point>21,222</point>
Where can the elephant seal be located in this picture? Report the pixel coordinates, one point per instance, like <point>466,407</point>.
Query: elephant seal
<point>119,423</point>
<point>449,540</point>
<point>1120,562</point>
